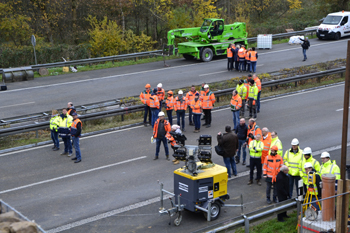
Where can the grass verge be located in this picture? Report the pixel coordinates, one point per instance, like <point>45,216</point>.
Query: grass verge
<point>272,225</point>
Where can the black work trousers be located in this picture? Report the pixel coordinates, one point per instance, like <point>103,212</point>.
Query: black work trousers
<point>207,115</point>
<point>255,162</point>
<point>252,108</point>
<point>268,191</point>
<point>229,63</point>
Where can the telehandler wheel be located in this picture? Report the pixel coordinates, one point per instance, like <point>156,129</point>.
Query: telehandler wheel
<point>215,211</point>
<point>188,57</point>
<point>207,55</point>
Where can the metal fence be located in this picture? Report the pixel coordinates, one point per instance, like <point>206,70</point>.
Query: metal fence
<point>4,208</point>
<point>137,108</point>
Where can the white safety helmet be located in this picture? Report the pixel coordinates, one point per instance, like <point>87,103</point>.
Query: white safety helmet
<point>295,142</point>
<point>325,155</point>
<point>160,85</point>
<point>161,114</point>
<point>306,165</point>
<point>206,86</point>
<point>180,92</point>
<point>307,151</point>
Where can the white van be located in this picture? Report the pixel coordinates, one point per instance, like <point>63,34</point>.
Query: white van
<point>334,26</point>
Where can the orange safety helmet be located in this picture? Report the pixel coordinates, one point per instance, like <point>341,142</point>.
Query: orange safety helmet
<point>148,85</point>
<point>170,92</point>
<point>274,148</point>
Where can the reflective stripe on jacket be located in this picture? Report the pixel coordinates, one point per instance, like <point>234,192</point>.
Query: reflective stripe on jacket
<point>167,128</point>
<point>196,106</point>
<point>277,142</point>
<point>255,130</point>
<point>253,55</point>
<point>169,103</point>
<point>272,165</point>
<point>259,146</point>
<point>160,94</point>
<point>153,102</point>
<point>293,161</point>
<point>242,91</point>
<point>241,53</point>
<point>73,128</point>
<point>229,52</point>
<point>64,125</point>
<point>190,96</point>
<point>180,104</point>
<point>330,167</point>
<point>236,103</point>
<point>253,92</point>
<point>258,83</point>
<point>247,56</point>
<point>315,165</point>
<point>267,145</point>
<point>207,99</point>
<point>54,122</point>
<point>144,96</point>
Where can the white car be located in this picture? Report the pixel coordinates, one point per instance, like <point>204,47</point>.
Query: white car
<point>334,26</point>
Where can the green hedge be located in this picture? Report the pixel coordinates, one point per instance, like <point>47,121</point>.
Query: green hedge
<point>13,57</point>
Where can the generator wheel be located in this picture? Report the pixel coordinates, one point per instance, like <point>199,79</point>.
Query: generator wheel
<point>207,55</point>
<point>215,211</point>
<point>178,220</point>
<point>188,57</point>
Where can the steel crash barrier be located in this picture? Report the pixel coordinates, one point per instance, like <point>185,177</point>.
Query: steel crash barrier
<point>6,131</point>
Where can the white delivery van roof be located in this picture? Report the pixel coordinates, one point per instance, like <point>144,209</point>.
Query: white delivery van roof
<point>340,13</point>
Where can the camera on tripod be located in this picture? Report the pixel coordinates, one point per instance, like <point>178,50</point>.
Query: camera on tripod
<point>311,179</point>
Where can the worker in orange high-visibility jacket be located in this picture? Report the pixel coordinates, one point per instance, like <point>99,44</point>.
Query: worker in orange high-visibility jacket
<point>175,129</point>
<point>247,60</point>
<point>75,131</point>
<point>253,60</point>
<point>230,52</point>
<point>258,84</point>
<point>160,130</point>
<point>144,97</point>
<point>201,92</point>
<point>169,106</point>
<point>271,168</point>
<point>160,95</point>
<point>180,106</point>
<point>266,139</point>
<point>253,130</point>
<point>241,57</point>
<point>208,100</point>
<point>236,105</point>
<point>153,103</point>
<point>190,96</point>
<point>196,106</point>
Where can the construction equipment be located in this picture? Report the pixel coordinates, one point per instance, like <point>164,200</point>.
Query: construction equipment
<point>310,210</point>
<point>199,186</point>
<point>207,41</point>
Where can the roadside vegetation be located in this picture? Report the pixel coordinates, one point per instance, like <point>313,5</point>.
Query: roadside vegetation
<point>131,118</point>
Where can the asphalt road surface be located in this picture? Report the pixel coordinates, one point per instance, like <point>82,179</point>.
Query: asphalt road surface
<point>118,170</point>
<point>43,94</point>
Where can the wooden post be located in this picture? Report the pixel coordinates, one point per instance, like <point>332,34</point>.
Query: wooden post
<point>339,206</point>
<point>346,204</point>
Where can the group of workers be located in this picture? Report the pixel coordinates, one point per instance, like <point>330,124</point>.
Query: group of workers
<point>68,126</point>
<point>266,155</point>
<point>196,102</point>
<point>241,59</point>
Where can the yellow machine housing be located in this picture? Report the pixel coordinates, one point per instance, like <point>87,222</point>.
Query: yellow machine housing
<point>209,183</point>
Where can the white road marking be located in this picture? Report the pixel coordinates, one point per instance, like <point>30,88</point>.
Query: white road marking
<point>225,71</point>
<point>70,175</point>
<point>340,109</point>
<point>17,105</point>
<point>147,71</point>
<point>151,201</point>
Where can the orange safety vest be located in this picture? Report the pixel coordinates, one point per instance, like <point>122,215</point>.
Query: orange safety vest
<point>167,128</point>
<point>241,53</point>
<point>207,99</point>
<point>247,55</point>
<point>229,53</point>
<point>255,130</point>
<point>180,105</point>
<point>253,55</point>
<point>272,166</point>
<point>161,94</point>
<point>144,96</point>
<point>236,101</point>
<point>196,106</point>
<point>267,145</point>
<point>246,86</point>
<point>169,103</point>
<point>190,96</point>
<point>73,128</point>
<point>153,102</point>
<point>258,83</point>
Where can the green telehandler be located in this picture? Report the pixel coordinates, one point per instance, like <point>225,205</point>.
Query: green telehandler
<point>209,40</point>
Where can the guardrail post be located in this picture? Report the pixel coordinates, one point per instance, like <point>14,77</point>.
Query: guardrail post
<point>36,134</point>
<point>161,196</point>
<point>296,84</point>
<point>122,117</point>
<point>246,224</point>
<point>218,98</point>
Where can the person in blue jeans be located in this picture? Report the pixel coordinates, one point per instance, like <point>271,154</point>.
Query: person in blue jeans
<point>54,124</point>
<point>305,45</point>
<point>241,131</point>
<point>229,143</point>
<point>75,131</point>
<point>161,128</point>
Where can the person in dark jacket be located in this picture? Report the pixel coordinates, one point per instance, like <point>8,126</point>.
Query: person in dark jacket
<point>235,57</point>
<point>241,131</point>
<point>282,189</point>
<point>229,143</point>
<point>70,108</point>
<point>305,45</point>
<point>75,131</point>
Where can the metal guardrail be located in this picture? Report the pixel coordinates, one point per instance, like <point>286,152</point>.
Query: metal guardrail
<point>246,219</point>
<point>136,108</point>
<point>4,207</point>
<point>282,35</point>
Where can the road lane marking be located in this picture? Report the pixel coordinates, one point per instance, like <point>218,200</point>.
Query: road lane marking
<point>152,201</point>
<point>70,175</point>
<point>340,109</point>
<point>147,71</point>
<point>17,105</point>
<point>213,73</point>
